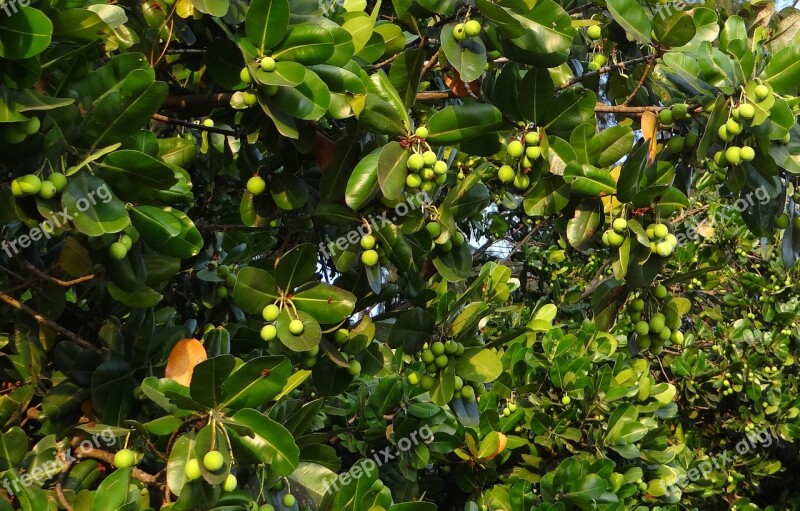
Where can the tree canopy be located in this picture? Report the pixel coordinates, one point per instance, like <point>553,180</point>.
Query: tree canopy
<point>407,255</point>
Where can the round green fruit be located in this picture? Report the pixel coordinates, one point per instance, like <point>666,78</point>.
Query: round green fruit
<point>666,117</point>
<point>429,158</point>
<point>761,91</point>
<point>440,168</point>
<point>341,336</point>
<point>421,132</point>
<point>256,185</point>
<point>269,332</point>
<point>268,64</point>
<point>117,251</point>
<point>266,507</point>
<point>288,500</point>
<point>594,32</point>
<point>244,75</point>
<point>369,257</point>
<point>637,305</point>
<point>368,242</point>
<point>782,221</point>
<point>566,400</point>
<point>734,155</point>
<point>48,190</point>
<point>426,382</point>
<point>642,328</point>
<point>747,153</point>
<point>354,368</point>
<point>467,393</point>
<point>680,111</point>
<point>192,469</point>
<point>213,461</point>
<point>506,174</point>
<point>413,180</point>
<point>533,152</point>
<point>660,230</point>
<point>271,312</point>
<point>600,59</point>
<point>660,292</point>
<point>434,229</point>
<point>30,184</point>
<point>733,127</point>
<point>515,149</point>
<point>472,28</point>
<point>59,180</point>
<point>615,239</point>
<point>620,225</point>
<point>13,135</point>
<point>532,138</point>
<point>415,162</point>
<point>459,32</point>
<point>723,134</point>
<point>676,144</point>
<point>441,361</point>
<point>296,327</point>
<point>230,483</point>
<point>656,323</point>
<point>522,181</point>
<point>124,458</point>
<point>30,126</point>
<point>413,378</point>
<point>747,111</point>
<point>249,99</point>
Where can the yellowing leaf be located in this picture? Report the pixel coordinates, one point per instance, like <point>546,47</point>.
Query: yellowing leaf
<point>182,360</point>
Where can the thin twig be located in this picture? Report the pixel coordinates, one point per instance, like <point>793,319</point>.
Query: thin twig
<point>63,283</point>
<point>432,62</point>
<point>641,81</point>
<point>603,70</point>
<point>44,321</point>
<point>199,126</point>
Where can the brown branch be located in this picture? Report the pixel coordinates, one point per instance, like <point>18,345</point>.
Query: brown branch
<point>199,126</point>
<point>435,95</point>
<point>197,101</point>
<point>603,70</point>
<point>44,321</point>
<point>641,81</point>
<point>431,63</point>
<point>63,283</point>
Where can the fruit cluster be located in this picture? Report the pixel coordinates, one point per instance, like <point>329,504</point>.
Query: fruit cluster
<point>616,236</point>
<point>442,239</point>
<point>521,154</point>
<point>213,461</point>
<point>266,64</point>
<point>229,278</point>
<point>17,132</point>
<point>437,356</point>
<point>663,323</point>
<point>662,242</point>
<point>471,28</point>
<point>31,184</point>
<point>270,331</point>
<point>599,60</point>
<point>425,168</point>
<point>677,112</point>
<point>369,256</point>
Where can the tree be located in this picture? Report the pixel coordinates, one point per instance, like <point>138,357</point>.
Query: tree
<point>407,255</point>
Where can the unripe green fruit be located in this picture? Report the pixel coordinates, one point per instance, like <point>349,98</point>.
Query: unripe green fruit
<point>30,126</point>
<point>249,99</point>
<point>117,251</point>
<point>782,221</point>
<point>679,111</point>
<point>368,242</point>
<point>642,328</point>
<point>268,64</point>
<point>747,111</point>
<point>437,348</point>
<point>533,152</point>
<point>429,158</point>
<point>458,239</point>
<point>660,231</point>
<point>288,500</point>
<point>733,127</point>
<point>459,32</point>
<point>761,91</point>
<point>656,323</point>
<point>354,368</point>
<point>660,292</point>
<point>244,75</point>
<point>124,458</point>
<point>532,138</point>
<point>428,186</point>
<point>296,327</point>
<point>126,240</point>
<point>413,378</point>
<point>594,32</point>
<point>747,153</point>
<point>426,382</point>
<point>59,180</point>
<point>440,168</point>
<point>515,149</point>
<point>522,181</point>
<point>271,312</point>
<point>421,132</point>
<point>48,190</point>
<point>620,225</point>
<point>734,155</point>
<point>222,271</point>
<point>593,66</point>
<point>677,337</point>
<point>413,180</point>
<point>208,123</point>
<point>691,139</point>
<point>600,59</point>
<point>676,144</point>
<point>467,393</point>
<point>221,292</point>
<point>269,332</point>
<point>213,461</point>
<point>663,249</point>
<point>505,174</point>
<point>13,135</point>
<point>637,305</point>
<point>192,469</point>
<point>472,28</point>
<point>369,257</point>
<point>29,184</point>
<point>230,483</point>
<point>341,336</point>
<point>434,229</point>
<point>615,239</point>
<point>723,134</point>
<point>666,117</point>
<point>427,357</point>
<point>428,174</point>
<point>441,361</point>
<point>566,400</point>
<point>256,185</point>
<point>415,162</point>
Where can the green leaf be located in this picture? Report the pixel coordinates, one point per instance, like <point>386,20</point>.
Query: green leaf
<point>588,180</point>
<point>380,116</point>
<point>571,108</point>
<point>94,207</point>
<point>783,70</point>
<point>405,74</point>
<point>479,365</point>
<point>296,266</point>
<point>615,143</point>
<point>285,74</point>
<point>13,447</point>
<point>587,146</point>
<point>675,29</point>
<point>582,226</point>
<point>24,33</point>
<point>468,57</point>
<point>547,197</point>
<point>632,17</point>
<point>182,451</point>
<point>256,382</point>
<point>310,337</point>
<point>454,124</point>
<point>289,192</point>
<point>306,44</point>
<point>326,303</point>
<point>216,8</point>
<point>308,100</point>
<point>392,170</point>
<point>363,182</point>
<point>539,92</point>
<point>168,231</point>
<point>266,23</point>
<point>113,491</point>
<point>271,443</point>
<point>206,387</point>
<point>140,168</point>
<point>255,289</point>
<point>78,25</point>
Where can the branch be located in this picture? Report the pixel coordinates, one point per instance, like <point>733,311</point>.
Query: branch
<point>199,126</point>
<point>63,283</point>
<point>197,101</point>
<point>603,70</point>
<point>108,458</point>
<point>44,321</point>
<point>641,81</point>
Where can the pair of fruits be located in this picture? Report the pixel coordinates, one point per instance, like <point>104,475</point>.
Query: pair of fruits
<point>426,170</point>
<point>31,184</point>
<point>730,129</point>
<point>256,185</point>
<point>270,313</point>
<point>15,133</point>
<point>471,28</point>
<point>677,112</point>
<point>369,256</point>
<point>119,249</point>
<point>598,61</point>
<point>678,144</point>
<point>662,242</point>
<point>615,236</point>
<point>224,272</point>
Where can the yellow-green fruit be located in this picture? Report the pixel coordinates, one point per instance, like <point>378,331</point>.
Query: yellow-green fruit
<point>341,336</point>
<point>521,181</point>
<point>677,337</point>
<point>734,155</point>
<point>656,323</point>
<point>620,225</point>
<point>600,59</point>
<point>676,144</point>
<point>761,92</point>
<point>230,483</point>
<point>615,239</point>
<point>532,138</point>
<point>660,231</point>
<point>515,149</point>
<point>566,400</point>
<point>268,64</point>
<point>692,138</point>
<point>429,158</point>
<point>723,133</point>
<point>30,126</point>
<point>421,132</point>
<point>413,180</point>
<point>505,174</point>
<point>269,332</point>
<point>434,229</point>
<point>533,152</point>
<point>59,180</point>
<point>459,32</point>
<point>369,257</point>
<point>296,327</point>
<point>733,127</point>
<point>747,111</point>
<point>249,99</point>
<point>413,378</point>
<point>415,162</point>
<point>288,500</point>
<point>367,242</point>
<point>782,221</point>
<point>124,458</point>
<point>747,153</point>
<point>213,461</point>
<point>354,368</point>
<point>29,184</point>
<point>594,32</point>
<point>660,292</point>
<point>117,251</point>
<point>666,117</point>
<point>440,168</point>
<point>48,190</point>
<point>679,111</point>
<point>244,75</point>
<point>271,312</point>
<point>13,135</point>
<point>256,185</point>
<point>192,470</point>
<point>472,28</point>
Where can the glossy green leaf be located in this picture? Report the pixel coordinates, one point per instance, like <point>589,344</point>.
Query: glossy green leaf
<point>24,32</point>
<point>454,124</point>
<point>326,303</point>
<point>94,208</point>
<point>266,23</point>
